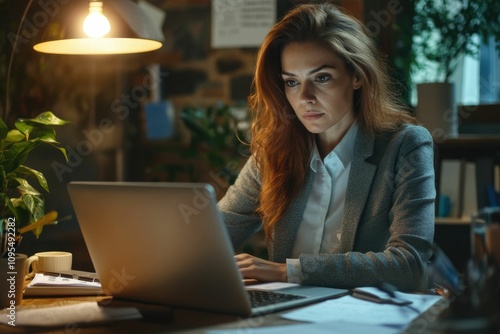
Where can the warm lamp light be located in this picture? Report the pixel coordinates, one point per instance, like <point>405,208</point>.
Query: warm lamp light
<point>132,32</point>
<point>125,28</point>
<point>96,24</point>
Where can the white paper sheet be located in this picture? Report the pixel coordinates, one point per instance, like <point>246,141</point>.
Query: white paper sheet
<point>330,327</point>
<point>356,310</point>
<point>271,286</point>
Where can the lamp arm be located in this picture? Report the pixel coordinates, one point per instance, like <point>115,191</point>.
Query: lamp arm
<point>9,67</point>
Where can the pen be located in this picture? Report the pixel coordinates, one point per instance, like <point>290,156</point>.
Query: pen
<point>374,298</point>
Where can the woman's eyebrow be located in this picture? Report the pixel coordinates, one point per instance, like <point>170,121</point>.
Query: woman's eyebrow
<point>317,69</point>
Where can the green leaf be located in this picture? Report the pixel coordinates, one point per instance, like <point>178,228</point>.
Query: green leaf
<point>29,207</point>
<point>28,202</point>
<point>34,205</point>
<point>15,136</point>
<point>16,207</point>
<point>26,188</point>
<point>63,151</point>
<point>47,140</point>
<point>43,132</point>
<point>11,206</point>
<point>46,118</point>
<point>16,202</point>
<point>17,154</point>
<point>39,176</point>
<point>55,144</point>
<point>24,127</point>
<point>39,211</point>
<point>3,129</point>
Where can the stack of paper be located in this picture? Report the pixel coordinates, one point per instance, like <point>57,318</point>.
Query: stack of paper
<point>50,285</point>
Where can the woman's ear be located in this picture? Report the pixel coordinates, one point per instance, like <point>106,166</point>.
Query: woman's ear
<point>356,82</point>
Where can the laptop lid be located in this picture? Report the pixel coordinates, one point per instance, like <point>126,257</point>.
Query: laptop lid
<point>166,243</point>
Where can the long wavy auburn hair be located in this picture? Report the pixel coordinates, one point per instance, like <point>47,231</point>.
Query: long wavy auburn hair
<point>280,144</point>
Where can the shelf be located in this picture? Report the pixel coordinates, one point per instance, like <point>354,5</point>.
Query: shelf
<point>452,221</point>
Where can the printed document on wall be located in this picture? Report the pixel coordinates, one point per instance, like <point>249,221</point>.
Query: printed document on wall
<point>239,23</point>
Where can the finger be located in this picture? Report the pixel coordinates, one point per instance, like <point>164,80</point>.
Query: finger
<point>242,261</point>
<point>242,256</point>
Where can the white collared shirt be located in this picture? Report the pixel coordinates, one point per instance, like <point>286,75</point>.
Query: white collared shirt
<point>319,231</point>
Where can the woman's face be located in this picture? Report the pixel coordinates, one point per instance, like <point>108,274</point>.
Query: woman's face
<point>319,88</point>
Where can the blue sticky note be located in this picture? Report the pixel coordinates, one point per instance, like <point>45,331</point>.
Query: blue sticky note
<point>159,120</point>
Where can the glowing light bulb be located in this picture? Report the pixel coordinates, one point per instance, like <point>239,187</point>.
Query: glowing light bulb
<point>96,24</point>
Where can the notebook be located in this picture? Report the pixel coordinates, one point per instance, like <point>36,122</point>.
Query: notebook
<point>166,243</point>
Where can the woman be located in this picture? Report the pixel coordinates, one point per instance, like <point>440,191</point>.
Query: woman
<point>340,178</point>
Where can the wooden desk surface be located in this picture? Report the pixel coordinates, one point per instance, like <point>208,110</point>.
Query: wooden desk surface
<point>160,319</point>
<point>157,319</point>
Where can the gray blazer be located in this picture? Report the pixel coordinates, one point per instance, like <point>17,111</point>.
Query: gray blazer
<point>388,219</point>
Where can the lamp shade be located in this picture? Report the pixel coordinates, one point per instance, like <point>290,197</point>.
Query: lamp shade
<point>131,30</point>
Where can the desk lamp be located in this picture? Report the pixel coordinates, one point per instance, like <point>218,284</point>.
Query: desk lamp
<point>111,27</point>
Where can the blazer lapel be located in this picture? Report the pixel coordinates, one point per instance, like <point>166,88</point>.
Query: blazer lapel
<point>358,188</point>
<point>285,230</point>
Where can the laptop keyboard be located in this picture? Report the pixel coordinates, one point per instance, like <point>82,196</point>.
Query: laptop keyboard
<point>265,297</point>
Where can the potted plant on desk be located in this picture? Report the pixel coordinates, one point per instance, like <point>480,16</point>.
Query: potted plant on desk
<point>444,32</point>
<point>22,205</point>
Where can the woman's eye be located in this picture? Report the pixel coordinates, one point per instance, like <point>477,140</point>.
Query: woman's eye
<point>290,83</point>
<point>323,78</point>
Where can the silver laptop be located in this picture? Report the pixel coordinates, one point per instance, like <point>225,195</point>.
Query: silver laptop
<point>166,243</point>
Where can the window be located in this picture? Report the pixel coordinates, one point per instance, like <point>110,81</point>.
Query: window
<point>476,79</point>
<point>489,73</point>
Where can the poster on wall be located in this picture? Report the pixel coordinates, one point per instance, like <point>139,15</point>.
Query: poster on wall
<point>241,23</point>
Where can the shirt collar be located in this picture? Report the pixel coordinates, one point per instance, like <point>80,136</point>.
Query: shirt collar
<point>343,150</point>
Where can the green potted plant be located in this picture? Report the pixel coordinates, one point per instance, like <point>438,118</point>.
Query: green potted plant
<point>21,204</point>
<point>214,131</point>
<point>19,200</point>
<point>207,147</point>
<point>444,32</point>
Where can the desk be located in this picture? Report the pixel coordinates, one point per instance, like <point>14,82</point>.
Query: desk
<point>484,151</point>
<point>160,319</point>
<point>187,321</point>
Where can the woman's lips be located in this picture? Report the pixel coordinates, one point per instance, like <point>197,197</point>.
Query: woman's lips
<point>311,116</point>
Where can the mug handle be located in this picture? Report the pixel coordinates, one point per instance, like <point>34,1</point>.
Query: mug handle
<point>31,260</point>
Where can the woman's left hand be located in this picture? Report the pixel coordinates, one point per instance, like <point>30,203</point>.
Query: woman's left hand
<point>252,267</point>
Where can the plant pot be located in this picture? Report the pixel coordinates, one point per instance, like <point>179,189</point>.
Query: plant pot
<point>436,109</point>
<point>12,281</point>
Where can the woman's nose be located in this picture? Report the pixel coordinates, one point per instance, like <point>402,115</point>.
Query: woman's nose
<point>307,95</point>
